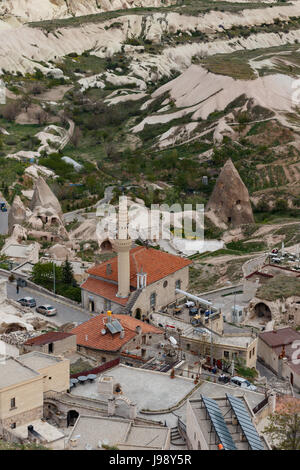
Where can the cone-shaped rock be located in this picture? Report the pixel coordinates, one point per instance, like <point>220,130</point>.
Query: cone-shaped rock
<point>44,197</point>
<point>229,203</point>
<point>17,213</point>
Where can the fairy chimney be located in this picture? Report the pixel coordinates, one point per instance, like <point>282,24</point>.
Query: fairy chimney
<point>229,204</point>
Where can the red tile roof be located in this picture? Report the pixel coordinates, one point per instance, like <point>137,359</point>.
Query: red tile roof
<point>47,338</point>
<point>281,337</point>
<point>89,333</point>
<point>157,264</point>
<point>104,289</point>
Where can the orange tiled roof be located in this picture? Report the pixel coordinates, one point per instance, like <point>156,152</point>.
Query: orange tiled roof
<point>157,264</point>
<point>104,289</point>
<point>89,333</point>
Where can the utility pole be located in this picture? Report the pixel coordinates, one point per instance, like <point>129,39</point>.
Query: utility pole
<point>211,340</point>
<point>54,277</point>
<point>232,367</point>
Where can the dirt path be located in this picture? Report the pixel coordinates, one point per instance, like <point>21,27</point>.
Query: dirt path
<point>54,94</point>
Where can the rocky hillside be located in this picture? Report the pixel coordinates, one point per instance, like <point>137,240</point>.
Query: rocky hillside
<point>157,93</point>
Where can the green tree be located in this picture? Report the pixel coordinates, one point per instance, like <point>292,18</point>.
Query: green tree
<point>42,274</point>
<point>67,273</point>
<point>283,428</point>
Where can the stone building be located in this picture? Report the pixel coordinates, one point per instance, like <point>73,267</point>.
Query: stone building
<point>23,384</point>
<point>106,337</point>
<point>55,370</point>
<point>280,351</point>
<point>53,342</point>
<point>21,394</point>
<point>205,417</point>
<point>197,341</point>
<point>147,282</point>
<point>138,280</point>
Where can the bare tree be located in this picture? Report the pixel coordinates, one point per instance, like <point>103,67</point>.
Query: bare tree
<point>11,110</point>
<point>42,117</point>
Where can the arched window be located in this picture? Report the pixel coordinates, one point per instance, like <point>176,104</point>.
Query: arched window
<point>178,284</point>
<point>153,299</point>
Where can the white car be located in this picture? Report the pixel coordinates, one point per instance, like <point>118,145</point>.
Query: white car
<point>243,383</point>
<point>47,310</point>
<point>189,304</point>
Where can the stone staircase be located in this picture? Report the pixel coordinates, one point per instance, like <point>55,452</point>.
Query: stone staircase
<point>133,298</point>
<point>176,438</point>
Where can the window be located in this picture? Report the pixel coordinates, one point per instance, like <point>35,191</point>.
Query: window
<point>226,354</point>
<point>50,378</point>
<point>153,299</point>
<point>103,359</point>
<point>178,284</point>
<point>12,403</point>
<point>50,348</point>
<point>13,426</point>
<point>165,283</point>
<point>253,351</point>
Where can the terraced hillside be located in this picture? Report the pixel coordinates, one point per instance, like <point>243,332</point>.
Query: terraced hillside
<point>152,92</point>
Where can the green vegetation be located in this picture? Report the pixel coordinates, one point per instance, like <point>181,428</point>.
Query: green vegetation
<point>14,446</point>
<point>283,427</point>
<point>279,287</point>
<point>79,366</point>
<point>190,7</point>
<point>65,284</point>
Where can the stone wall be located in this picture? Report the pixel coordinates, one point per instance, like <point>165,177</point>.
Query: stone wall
<point>28,396</point>
<point>25,417</point>
<point>59,347</point>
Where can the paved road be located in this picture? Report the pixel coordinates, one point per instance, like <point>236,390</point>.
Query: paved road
<point>3,223</point>
<point>65,313</point>
<point>81,215</point>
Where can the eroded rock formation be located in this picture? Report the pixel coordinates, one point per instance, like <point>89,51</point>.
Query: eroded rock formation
<point>229,204</point>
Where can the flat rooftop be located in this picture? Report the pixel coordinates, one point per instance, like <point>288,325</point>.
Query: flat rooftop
<point>12,373</point>
<point>92,431</point>
<point>148,389</point>
<point>18,251</point>
<point>38,360</point>
<point>215,390</point>
<point>189,331</point>
<point>47,431</point>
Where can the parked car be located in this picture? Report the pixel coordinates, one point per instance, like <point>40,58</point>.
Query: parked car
<point>47,310</point>
<point>189,304</point>
<point>243,383</point>
<point>193,311</point>
<point>27,302</point>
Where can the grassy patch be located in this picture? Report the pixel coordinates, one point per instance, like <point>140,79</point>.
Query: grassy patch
<point>279,287</point>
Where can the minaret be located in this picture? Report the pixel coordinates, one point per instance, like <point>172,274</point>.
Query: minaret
<point>122,245</point>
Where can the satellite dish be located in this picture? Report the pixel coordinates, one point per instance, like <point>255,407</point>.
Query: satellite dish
<point>103,332</point>
<point>173,340</point>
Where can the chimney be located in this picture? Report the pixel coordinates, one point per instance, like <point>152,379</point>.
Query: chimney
<point>108,316</point>
<point>122,334</point>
